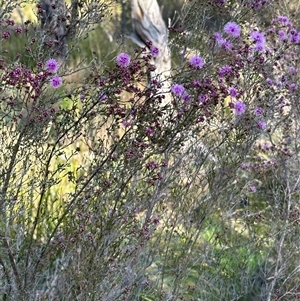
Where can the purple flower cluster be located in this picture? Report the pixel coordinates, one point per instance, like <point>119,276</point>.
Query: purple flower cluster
<point>222,42</point>
<point>225,71</point>
<point>233,30</point>
<point>52,66</point>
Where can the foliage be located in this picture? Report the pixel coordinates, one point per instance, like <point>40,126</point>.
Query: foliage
<point>108,193</point>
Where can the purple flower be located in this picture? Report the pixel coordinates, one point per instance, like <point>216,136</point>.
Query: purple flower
<point>232,29</point>
<point>283,19</point>
<point>227,45</point>
<point>259,47</point>
<point>295,38</point>
<point>123,60</point>
<point>52,65</point>
<point>239,107</point>
<point>196,61</point>
<point>18,30</point>
<point>218,2</point>
<point>257,5</point>
<point>56,82</point>
<point>202,97</point>
<point>127,123</point>
<point>5,35</point>
<point>233,91</point>
<point>149,131</point>
<point>177,89</point>
<point>293,31</point>
<point>224,43</point>
<point>244,166</point>
<point>262,125</point>
<point>258,111</point>
<point>186,97</point>
<point>258,37</point>
<point>292,70</point>
<point>218,37</point>
<point>225,71</point>
<point>282,35</point>
<point>292,87</point>
<point>154,51</point>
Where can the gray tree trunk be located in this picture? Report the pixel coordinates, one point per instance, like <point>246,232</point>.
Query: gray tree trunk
<point>148,25</point>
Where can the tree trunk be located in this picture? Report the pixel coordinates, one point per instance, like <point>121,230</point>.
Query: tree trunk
<point>148,25</point>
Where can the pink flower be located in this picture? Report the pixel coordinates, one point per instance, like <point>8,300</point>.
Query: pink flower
<point>56,82</point>
<point>232,29</point>
<point>52,65</point>
<point>177,89</point>
<point>196,61</point>
<point>123,60</point>
<point>239,107</point>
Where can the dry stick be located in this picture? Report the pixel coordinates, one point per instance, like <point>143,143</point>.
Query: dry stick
<point>3,195</point>
<point>73,201</point>
<point>44,186</point>
<point>282,238</point>
<point>6,273</point>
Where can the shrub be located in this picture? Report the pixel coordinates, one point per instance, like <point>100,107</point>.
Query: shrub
<point>108,193</point>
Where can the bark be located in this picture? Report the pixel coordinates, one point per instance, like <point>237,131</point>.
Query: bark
<point>148,25</point>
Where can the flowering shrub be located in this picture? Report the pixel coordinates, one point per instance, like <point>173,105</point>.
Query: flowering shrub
<point>108,193</point>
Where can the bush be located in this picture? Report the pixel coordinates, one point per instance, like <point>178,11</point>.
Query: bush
<point>110,193</point>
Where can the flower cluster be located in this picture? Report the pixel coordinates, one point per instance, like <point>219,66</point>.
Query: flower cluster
<point>52,66</point>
